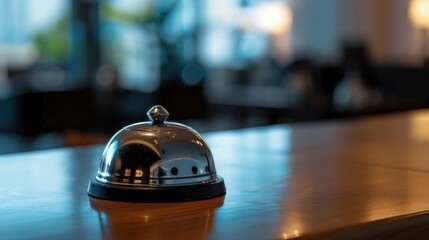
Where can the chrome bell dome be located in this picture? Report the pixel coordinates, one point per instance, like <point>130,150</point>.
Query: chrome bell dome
<point>156,161</point>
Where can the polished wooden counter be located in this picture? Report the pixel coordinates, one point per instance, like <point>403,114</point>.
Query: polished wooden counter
<point>358,178</point>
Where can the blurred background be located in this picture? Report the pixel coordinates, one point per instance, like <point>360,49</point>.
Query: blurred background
<point>74,72</point>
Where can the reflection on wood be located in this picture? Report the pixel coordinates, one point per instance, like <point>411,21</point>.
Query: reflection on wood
<point>189,220</point>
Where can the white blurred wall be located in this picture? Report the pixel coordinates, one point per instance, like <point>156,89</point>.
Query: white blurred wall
<point>321,27</point>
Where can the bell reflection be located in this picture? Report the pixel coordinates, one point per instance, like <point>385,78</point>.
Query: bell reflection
<point>188,220</point>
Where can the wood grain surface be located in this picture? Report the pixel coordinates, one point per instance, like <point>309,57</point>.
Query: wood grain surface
<point>361,178</point>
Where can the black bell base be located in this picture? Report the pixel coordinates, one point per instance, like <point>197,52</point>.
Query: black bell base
<point>168,194</point>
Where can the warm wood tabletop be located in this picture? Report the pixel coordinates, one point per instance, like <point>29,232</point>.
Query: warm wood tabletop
<point>356,178</point>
